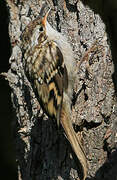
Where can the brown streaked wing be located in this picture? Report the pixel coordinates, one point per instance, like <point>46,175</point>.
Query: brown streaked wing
<point>54,80</point>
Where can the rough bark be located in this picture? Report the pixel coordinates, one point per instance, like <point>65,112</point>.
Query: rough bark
<point>43,152</point>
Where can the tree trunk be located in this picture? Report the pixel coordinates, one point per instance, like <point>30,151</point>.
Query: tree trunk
<point>43,152</point>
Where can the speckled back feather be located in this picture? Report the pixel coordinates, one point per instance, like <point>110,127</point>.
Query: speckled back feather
<point>45,66</point>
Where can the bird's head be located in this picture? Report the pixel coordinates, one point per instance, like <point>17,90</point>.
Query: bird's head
<point>36,31</point>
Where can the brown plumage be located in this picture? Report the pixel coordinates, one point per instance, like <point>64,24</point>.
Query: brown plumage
<point>50,65</point>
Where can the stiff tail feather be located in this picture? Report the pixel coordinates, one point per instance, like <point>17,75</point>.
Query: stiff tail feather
<point>73,139</point>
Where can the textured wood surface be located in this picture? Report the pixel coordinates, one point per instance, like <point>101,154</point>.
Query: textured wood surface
<point>43,152</point>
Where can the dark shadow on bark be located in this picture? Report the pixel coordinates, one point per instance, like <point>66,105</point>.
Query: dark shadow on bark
<point>71,7</point>
<point>108,12</point>
<point>45,144</point>
<point>48,151</point>
<point>7,149</point>
<point>108,170</point>
<point>52,147</point>
<point>20,147</point>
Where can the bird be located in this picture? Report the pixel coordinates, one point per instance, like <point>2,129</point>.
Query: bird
<point>50,67</point>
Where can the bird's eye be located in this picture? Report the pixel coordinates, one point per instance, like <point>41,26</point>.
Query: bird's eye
<point>41,28</point>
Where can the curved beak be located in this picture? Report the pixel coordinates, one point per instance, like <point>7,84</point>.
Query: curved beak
<point>44,20</point>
